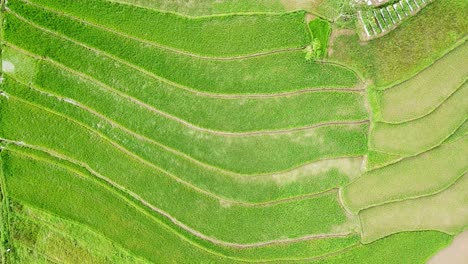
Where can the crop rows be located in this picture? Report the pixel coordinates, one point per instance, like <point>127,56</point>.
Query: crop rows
<point>139,224</point>
<point>443,78</point>
<point>430,172</point>
<point>292,72</point>
<point>217,139</point>
<point>262,185</point>
<point>444,211</point>
<point>418,180</point>
<point>196,171</point>
<point>221,35</point>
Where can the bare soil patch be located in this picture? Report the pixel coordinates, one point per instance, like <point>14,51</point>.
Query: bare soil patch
<point>456,253</point>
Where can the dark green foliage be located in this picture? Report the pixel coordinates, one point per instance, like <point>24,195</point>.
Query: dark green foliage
<point>320,31</point>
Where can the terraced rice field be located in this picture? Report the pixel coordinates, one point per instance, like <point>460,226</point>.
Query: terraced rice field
<point>173,132</point>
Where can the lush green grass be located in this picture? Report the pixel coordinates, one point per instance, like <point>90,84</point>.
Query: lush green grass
<point>430,87</point>
<point>223,114</point>
<point>316,214</point>
<point>137,231</point>
<point>59,240</point>
<point>70,242</point>
<point>412,46</point>
<point>116,108</point>
<point>252,154</point>
<point>27,255</point>
<point>444,211</point>
<point>320,31</point>
<point>227,35</point>
<point>425,174</point>
<point>406,138</point>
<point>401,248</point>
<point>70,196</point>
<point>313,178</point>
<point>201,155</point>
<point>279,72</point>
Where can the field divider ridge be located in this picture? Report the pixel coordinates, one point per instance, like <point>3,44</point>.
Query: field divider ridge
<point>207,166</point>
<point>112,186</point>
<point>248,13</point>
<point>55,229</point>
<point>151,141</point>
<point>174,84</point>
<point>440,142</point>
<point>177,119</point>
<point>403,157</point>
<point>174,177</point>
<point>88,229</point>
<point>442,189</point>
<point>433,109</point>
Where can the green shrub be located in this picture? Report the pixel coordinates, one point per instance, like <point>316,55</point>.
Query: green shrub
<point>320,31</point>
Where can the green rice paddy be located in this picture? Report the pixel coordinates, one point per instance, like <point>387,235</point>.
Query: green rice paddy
<point>137,131</point>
